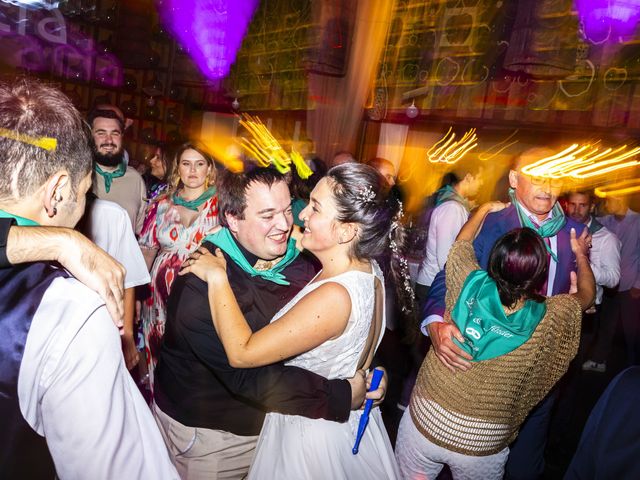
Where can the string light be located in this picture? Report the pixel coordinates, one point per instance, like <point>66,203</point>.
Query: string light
<point>447,150</point>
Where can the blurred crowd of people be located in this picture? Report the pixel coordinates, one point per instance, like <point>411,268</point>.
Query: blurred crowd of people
<point>253,308</point>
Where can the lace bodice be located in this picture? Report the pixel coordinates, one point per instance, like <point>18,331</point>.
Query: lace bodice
<point>338,358</point>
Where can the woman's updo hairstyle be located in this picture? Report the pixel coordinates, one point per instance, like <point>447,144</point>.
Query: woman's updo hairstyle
<point>361,197</point>
<point>518,263</point>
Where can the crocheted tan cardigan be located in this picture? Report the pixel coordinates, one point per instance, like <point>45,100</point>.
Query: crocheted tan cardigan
<point>500,391</point>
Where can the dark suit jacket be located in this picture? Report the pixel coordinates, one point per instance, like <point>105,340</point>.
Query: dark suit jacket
<point>495,225</point>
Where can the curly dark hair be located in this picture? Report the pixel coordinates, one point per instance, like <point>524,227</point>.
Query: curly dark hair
<point>518,263</point>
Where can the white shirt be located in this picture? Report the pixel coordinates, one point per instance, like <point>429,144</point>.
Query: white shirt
<point>128,191</point>
<point>110,228</point>
<point>74,389</point>
<point>604,258</point>
<point>446,221</point>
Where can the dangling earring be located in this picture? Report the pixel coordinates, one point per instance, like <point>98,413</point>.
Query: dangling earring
<point>206,183</point>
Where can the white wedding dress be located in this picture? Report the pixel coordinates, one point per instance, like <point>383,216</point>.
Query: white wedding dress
<point>298,448</point>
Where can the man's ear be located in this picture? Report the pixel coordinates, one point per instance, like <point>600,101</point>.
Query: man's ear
<point>54,192</point>
<point>232,221</point>
<point>513,178</point>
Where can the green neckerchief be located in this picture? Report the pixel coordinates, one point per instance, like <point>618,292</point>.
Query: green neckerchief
<point>109,176</point>
<point>448,193</point>
<point>595,225</point>
<point>488,332</point>
<point>225,241</point>
<point>548,228</point>
<point>21,221</point>
<point>193,204</point>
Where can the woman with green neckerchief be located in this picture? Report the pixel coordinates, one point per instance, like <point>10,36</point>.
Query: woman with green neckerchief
<point>174,226</point>
<point>520,341</point>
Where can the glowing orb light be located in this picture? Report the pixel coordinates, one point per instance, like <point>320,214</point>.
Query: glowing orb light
<point>210,31</point>
<point>604,20</point>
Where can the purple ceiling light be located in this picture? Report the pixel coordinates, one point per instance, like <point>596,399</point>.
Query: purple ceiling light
<point>608,20</point>
<point>211,31</point>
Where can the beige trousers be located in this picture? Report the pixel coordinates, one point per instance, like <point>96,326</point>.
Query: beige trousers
<point>202,453</point>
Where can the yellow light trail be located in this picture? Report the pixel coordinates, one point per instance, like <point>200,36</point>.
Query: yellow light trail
<point>263,146</point>
<point>451,151</point>
<point>624,187</point>
<point>582,162</point>
<point>498,147</point>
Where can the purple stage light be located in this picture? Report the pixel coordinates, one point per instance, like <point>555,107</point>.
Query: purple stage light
<point>210,31</point>
<point>608,20</point>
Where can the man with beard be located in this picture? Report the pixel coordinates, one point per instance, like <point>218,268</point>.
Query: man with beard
<point>113,179</point>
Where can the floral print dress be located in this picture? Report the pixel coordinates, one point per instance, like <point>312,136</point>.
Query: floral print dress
<point>164,231</point>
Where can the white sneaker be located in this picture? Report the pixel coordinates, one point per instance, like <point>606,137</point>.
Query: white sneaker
<point>591,366</point>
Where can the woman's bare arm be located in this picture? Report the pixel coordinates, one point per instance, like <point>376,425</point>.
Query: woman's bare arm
<point>317,317</point>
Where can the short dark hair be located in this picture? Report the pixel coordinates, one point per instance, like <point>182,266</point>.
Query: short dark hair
<point>587,193</point>
<point>232,190</point>
<point>31,110</point>
<point>361,197</point>
<point>464,167</point>
<point>518,263</point>
<point>97,113</point>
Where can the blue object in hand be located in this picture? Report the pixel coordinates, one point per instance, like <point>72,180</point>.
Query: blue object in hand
<point>364,419</point>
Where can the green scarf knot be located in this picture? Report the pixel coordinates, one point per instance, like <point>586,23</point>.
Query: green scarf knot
<point>479,315</point>
<point>109,176</point>
<point>195,203</point>
<point>448,193</point>
<point>225,241</point>
<point>548,229</point>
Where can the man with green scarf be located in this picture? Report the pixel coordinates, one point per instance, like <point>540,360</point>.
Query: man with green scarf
<point>195,387</point>
<point>533,205</point>
<point>451,211</point>
<point>113,179</point>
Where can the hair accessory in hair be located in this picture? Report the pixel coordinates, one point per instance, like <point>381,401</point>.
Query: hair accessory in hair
<point>402,263</point>
<point>366,194</point>
<point>47,143</point>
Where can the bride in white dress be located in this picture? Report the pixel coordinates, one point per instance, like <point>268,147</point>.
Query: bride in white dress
<point>332,327</point>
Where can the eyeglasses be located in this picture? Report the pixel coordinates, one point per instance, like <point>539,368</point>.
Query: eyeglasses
<point>553,182</point>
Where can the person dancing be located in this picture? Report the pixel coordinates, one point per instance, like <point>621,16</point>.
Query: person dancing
<point>520,343</point>
<point>347,222</point>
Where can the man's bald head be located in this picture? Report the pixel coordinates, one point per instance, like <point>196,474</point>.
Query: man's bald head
<point>530,156</point>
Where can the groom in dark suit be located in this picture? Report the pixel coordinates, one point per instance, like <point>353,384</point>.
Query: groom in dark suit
<point>533,204</point>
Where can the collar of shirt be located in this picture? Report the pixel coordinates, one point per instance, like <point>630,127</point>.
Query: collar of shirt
<point>251,258</point>
<point>533,217</point>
